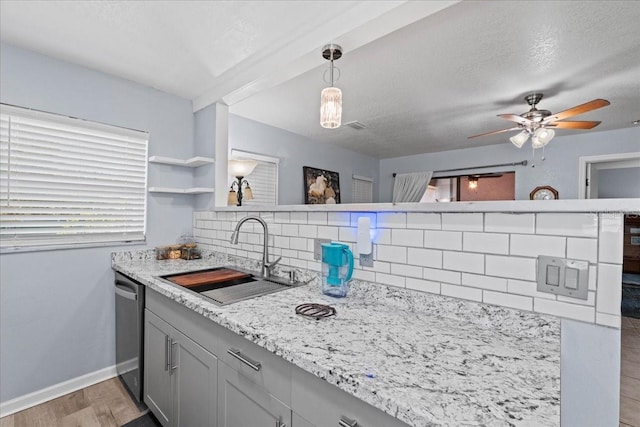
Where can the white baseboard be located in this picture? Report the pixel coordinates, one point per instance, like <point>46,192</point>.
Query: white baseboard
<point>37,397</point>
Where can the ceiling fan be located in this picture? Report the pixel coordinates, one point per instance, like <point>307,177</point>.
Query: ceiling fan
<point>539,123</point>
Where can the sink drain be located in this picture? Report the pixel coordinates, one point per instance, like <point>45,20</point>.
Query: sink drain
<point>315,311</point>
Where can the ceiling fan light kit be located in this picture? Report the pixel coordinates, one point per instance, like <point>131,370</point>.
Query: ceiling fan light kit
<point>331,97</point>
<point>537,123</point>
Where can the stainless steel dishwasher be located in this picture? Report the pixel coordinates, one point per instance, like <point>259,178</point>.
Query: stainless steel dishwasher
<point>130,333</point>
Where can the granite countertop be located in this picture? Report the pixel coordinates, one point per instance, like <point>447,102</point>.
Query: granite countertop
<point>425,359</point>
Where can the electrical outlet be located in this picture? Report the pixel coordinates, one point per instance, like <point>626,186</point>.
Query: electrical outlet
<point>317,248</point>
<point>366,260</point>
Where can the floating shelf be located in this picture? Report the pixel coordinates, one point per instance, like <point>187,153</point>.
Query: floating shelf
<point>193,162</point>
<point>195,190</point>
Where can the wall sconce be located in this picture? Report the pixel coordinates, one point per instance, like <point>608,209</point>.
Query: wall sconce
<point>473,182</point>
<point>239,169</point>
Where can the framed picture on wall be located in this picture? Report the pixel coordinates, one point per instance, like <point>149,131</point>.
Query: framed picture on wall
<point>321,187</point>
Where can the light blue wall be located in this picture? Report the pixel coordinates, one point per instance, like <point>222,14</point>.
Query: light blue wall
<point>57,307</point>
<point>590,374</point>
<point>296,151</point>
<point>619,183</point>
<point>205,139</point>
<point>559,170</point>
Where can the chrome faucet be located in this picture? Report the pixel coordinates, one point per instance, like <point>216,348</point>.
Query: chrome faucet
<point>266,265</point>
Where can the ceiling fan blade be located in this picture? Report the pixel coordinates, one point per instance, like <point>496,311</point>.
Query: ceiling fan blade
<point>494,132</point>
<point>573,125</point>
<point>579,109</point>
<point>515,118</point>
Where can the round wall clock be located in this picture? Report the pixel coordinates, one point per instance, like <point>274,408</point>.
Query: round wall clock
<point>544,192</point>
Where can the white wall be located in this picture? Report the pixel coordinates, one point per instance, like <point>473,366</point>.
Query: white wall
<point>57,307</point>
<point>559,170</point>
<point>296,151</point>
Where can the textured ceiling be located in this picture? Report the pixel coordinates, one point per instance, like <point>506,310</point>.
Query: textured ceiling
<point>422,76</point>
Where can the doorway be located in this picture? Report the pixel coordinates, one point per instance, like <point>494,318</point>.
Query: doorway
<point>611,176</point>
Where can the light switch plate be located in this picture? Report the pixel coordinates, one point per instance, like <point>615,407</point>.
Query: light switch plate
<point>317,248</point>
<point>561,276</point>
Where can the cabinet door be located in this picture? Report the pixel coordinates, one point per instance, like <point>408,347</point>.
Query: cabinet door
<point>242,402</point>
<point>157,382</point>
<point>194,375</point>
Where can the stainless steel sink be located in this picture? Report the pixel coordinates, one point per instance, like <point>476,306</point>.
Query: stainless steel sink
<point>224,292</point>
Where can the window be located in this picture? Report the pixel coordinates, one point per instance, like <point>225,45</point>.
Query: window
<point>361,189</point>
<point>263,180</point>
<point>66,181</point>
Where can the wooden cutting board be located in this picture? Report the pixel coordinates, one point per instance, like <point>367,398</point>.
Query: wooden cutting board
<point>207,277</point>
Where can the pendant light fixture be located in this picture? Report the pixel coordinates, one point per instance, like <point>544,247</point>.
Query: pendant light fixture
<point>331,97</point>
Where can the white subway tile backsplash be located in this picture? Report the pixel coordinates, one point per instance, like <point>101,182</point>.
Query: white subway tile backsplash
<point>584,249</point>
<point>382,236</point>
<point>506,300</point>
<point>281,242</point>
<point>609,288</point>
<point>449,253</point>
<point>282,217</point>
<point>391,253</point>
<point>403,237</point>
<point>611,238</point>
<point>390,279</point>
<point>461,292</point>
<point>424,257</point>
<point>299,243</point>
<point>366,275</point>
<point>613,321</point>
<point>373,218</point>
<point>492,243</point>
<point>423,220</point>
<point>298,217</point>
<point>534,245</point>
<point>339,219</point>
<point>509,223</point>
<point>511,267</point>
<point>317,218</point>
<point>290,230</point>
<point>327,232</point>
<point>308,231</point>
<point>462,261</point>
<point>591,299</point>
<point>406,270</point>
<point>437,275</point>
<point>567,224</point>
<point>593,277</point>
<point>392,220</point>
<point>347,234</point>
<point>423,285</point>
<point>485,282</point>
<point>451,240</point>
<point>564,309</point>
<point>462,221</point>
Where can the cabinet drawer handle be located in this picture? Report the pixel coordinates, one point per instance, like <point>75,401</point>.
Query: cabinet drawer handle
<point>346,422</point>
<point>167,357</point>
<point>172,367</point>
<point>244,359</point>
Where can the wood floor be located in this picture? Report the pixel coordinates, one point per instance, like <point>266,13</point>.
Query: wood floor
<point>106,404</point>
<point>630,373</point>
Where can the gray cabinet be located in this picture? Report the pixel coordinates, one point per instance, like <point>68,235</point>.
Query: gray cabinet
<point>181,376</point>
<point>241,402</point>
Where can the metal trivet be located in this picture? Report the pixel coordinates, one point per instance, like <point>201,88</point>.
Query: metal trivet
<point>315,311</point>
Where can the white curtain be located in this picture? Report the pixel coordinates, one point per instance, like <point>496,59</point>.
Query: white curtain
<point>410,187</point>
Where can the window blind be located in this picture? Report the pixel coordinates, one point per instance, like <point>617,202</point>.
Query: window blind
<point>66,181</point>
<point>361,189</point>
